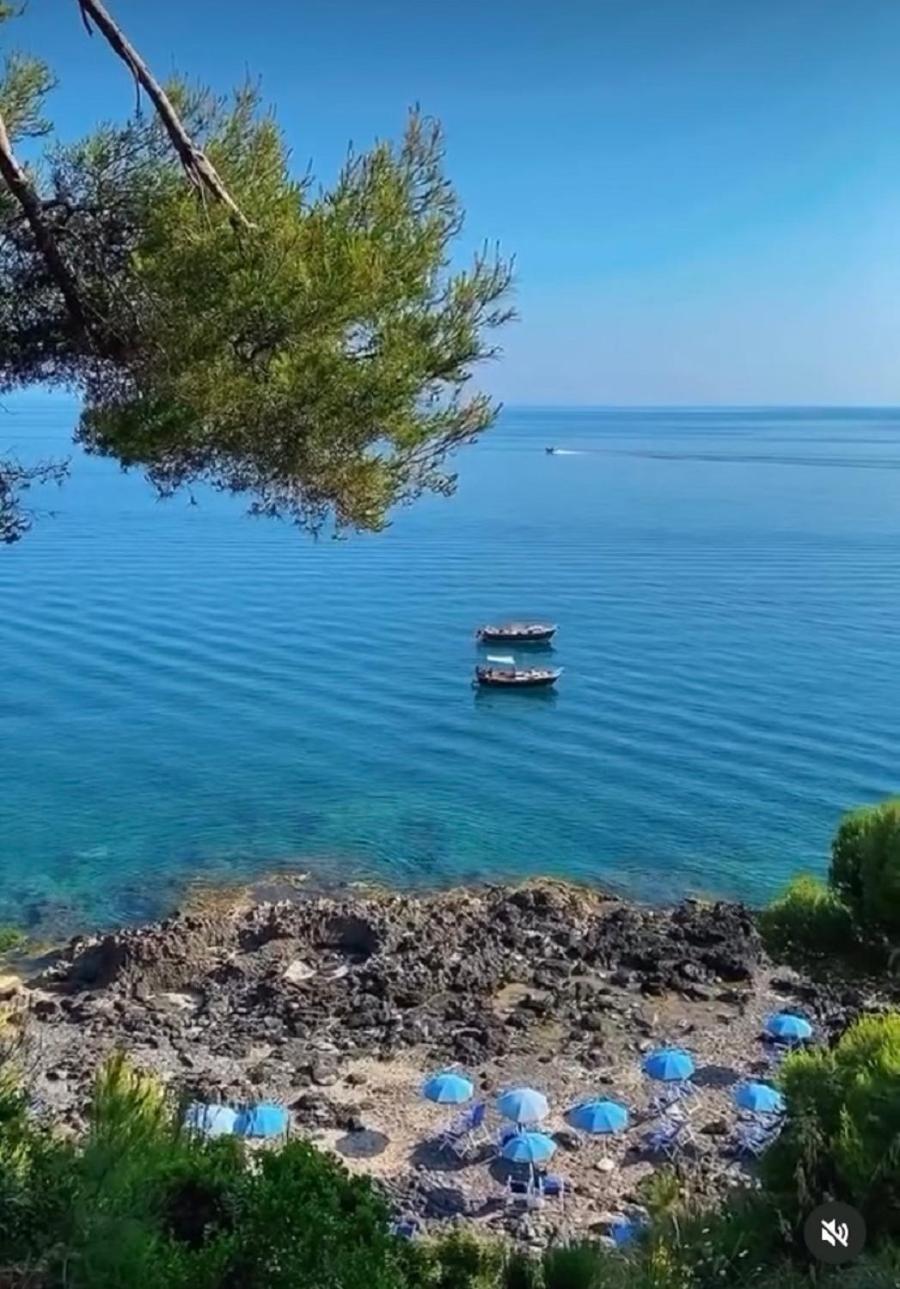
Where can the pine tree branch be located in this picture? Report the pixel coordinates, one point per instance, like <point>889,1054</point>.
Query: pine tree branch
<point>23,191</point>
<point>197,166</point>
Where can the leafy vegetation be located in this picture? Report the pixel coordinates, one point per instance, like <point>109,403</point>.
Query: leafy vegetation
<point>807,919</point>
<point>843,1134</point>
<point>865,866</point>
<point>139,1201</point>
<point>309,350</point>
<point>857,913</point>
<point>10,938</point>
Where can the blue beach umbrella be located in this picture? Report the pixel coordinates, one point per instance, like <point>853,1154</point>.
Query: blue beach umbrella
<point>670,1064</point>
<point>263,1120</point>
<point>599,1116</point>
<point>623,1230</point>
<point>761,1098</point>
<point>788,1026</point>
<point>210,1119</point>
<point>523,1105</point>
<point>447,1088</point>
<point>529,1148</point>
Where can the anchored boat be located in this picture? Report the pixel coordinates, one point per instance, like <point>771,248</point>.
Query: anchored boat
<point>503,673</point>
<point>517,633</point>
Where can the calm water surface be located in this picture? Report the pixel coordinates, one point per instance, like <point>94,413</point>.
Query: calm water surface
<point>189,695</point>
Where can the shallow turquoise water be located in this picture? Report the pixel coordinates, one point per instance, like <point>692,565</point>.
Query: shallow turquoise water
<point>191,695</point>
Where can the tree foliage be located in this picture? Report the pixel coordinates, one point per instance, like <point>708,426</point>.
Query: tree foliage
<point>865,865</point>
<point>842,1139</point>
<point>313,356</point>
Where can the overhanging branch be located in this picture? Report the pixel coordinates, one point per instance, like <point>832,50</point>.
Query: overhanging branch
<point>21,188</point>
<point>197,166</point>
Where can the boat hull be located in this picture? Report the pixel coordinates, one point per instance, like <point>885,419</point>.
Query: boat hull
<point>512,635</point>
<point>534,679</point>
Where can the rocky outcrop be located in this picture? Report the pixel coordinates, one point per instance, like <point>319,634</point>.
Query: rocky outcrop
<point>382,972</point>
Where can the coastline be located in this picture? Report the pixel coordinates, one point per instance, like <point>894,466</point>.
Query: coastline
<point>339,1004</point>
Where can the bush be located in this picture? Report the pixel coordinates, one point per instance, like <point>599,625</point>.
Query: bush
<point>842,1139</point>
<point>865,866</point>
<point>10,939</point>
<point>806,920</point>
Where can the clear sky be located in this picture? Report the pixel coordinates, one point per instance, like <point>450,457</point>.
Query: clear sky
<point>703,196</point>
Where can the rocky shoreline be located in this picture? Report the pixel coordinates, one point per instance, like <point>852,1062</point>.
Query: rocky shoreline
<point>339,1004</point>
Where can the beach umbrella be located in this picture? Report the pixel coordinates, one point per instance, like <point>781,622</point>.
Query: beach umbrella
<point>788,1026</point>
<point>623,1230</point>
<point>599,1116</point>
<point>210,1119</point>
<point>669,1064</point>
<point>761,1098</point>
<point>263,1120</point>
<point>523,1105</point>
<point>447,1088</point>
<point>528,1148</point>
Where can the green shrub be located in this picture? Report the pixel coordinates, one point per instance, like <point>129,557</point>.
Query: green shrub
<point>10,939</point>
<point>574,1266</point>
<point>303,1223</point>
<point>865,866</point>
<point>842,1139</point>
<point>459,1261</point>
<point>806,920</point>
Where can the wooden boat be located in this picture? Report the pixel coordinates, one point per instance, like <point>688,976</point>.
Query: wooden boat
<point>504,676</point>
<point>517,633</point>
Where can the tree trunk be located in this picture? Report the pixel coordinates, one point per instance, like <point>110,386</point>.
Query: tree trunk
<point>21,188</point>
<point>198,168</point>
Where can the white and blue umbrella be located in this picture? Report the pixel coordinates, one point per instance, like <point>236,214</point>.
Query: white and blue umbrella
<point>760,1098</point>
<point>263,1120</point>
<point>210,1119</point>
<point>447,1088</point>
<point>788,1026</point>
<point>670,1064</point>
<point>599,1116</point>
<point>528,1148</point>
<point>523,1105</point>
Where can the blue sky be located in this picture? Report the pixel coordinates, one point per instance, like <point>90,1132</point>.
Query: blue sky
<point>703,196</point>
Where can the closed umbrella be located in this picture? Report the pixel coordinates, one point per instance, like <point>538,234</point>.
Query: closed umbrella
<point>528,1148</point>
<point>760,1098</point>
<point>523,1105</point>
<point>599,1116</point>
<point>785,1025</point>
<point>263,1120</point>
<point>670,1064</point>
<point>447,1088</point>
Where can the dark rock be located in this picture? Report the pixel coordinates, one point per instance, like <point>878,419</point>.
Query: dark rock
<point>567,1139</point>
<point>716,1128</point>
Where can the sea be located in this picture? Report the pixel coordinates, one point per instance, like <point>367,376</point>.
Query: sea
<point>191,697</point>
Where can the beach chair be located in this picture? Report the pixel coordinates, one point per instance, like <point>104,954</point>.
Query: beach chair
<point>506,1133</point>
<point>753,1138</point>
<point>672,1095</point>
<point>465,1130</point>
<point>522,1193</point>
<point>552,1186</point>
<point>670,1137</point>
<point>405,1228</point>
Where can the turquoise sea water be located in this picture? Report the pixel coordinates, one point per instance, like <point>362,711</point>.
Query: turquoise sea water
<point>191,695</point>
